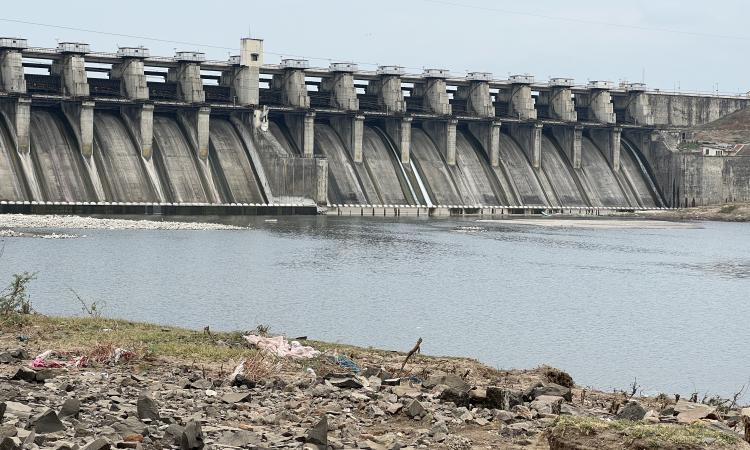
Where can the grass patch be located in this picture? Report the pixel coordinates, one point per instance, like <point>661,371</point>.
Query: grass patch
<point>727,209</point>
<point>652,435</point>
<point>71,333</point>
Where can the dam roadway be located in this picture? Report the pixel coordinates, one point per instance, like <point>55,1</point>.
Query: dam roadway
<point>85,132</point>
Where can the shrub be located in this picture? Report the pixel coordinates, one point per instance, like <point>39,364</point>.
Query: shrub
<point>557,376</point>
<point>14,299</point>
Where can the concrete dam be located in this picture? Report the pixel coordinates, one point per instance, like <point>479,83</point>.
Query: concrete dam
<point>83,131</point>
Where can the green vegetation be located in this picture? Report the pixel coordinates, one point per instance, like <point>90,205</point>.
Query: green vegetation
<point>727,209</point>
<point>688,146</point>
<point>73,333</point>
<point>15,302</point>
<point>652,435</point>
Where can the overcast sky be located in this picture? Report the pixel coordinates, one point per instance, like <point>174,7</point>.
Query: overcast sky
<point>676,43</point>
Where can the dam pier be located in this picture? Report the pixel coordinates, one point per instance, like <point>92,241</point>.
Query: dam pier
<point>127,132</point>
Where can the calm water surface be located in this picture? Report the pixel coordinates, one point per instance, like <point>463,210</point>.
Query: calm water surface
<point>668,306</point>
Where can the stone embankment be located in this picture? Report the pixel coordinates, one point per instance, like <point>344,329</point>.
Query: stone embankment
<point>177,390</point>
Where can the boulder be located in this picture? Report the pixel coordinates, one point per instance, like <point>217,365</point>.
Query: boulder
<point>147,409</point>
<point>448,379</point>
<point>239,439</point>
<point>25,374</point>
<point>173,433</point>
<point>651,416</point>
<point>192,436</point>
<point>547,404</point>
<point>500,398</point>
<point>415,409</point>
<point>236,397</point>
<point>47,422</point>
<point>689,412</point>
<point>631,411</point>
<point>504,416</point>
<point>70,408</point>
<point>8,443</point>
<point>455,396</point>
<point>99,444</point>
<point>318,434</point>
<point>241,380</point>
<point>549,389</point>
<point>3,406</point>
<point>346,383</point>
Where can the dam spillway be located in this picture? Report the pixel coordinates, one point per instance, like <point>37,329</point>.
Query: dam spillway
<point>289,134</point>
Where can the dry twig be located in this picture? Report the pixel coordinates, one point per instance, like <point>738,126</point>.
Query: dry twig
<point>414,350</point>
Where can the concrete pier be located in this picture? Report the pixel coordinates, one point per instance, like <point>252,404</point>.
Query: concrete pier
<point>443,133</point>
<point>196,121</point>
<point>530,137</point>
<point>608,140</point>
<point>80,115</point>
<point>387,88</point>
<point>518,97</point>
<point>17,112</point>
<point>141,121</point>
<point>569,138</point>
<point>351,130</point>
<point>243,77</point>
<point>477,94</point>
<point>488,134</point>
<point>341,86</point>
<point>187,75</point>
<point>558,100</point>
<point>302,129</point>
<point>615,135</point>
<point>321,171</point>
<point>71,68</point>
<point>399,130</point>
<point>11,65</point>
<point>291,83</point>
<point>131,72</point>
<point>598,102</point>
<point>637,106</point>
<point>433,92</point>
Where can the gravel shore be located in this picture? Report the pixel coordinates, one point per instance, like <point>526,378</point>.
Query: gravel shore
<point>102,384</point>
<point>16,221</point>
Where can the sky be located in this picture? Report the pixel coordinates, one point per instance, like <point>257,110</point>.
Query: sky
<point>670,44</point>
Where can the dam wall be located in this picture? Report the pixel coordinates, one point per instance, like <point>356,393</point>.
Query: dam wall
<point>125,128</point>
<point>691,179</point>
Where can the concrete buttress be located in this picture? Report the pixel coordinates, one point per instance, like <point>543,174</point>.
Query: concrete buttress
<point>196,122</point>
<point>141,119</point>
<point>399,130</point>
<point>443,133</point>
<point>530,138</point>
<point>17,112</point>
<point>488,135</point>
<point>351,130</point>
<point>81,117</point>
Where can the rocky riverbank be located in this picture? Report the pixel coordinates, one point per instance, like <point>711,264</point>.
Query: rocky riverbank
<point>730,212</point>
<point>95,383</point>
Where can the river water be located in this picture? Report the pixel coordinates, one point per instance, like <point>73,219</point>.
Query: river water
<point>668,306</point>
